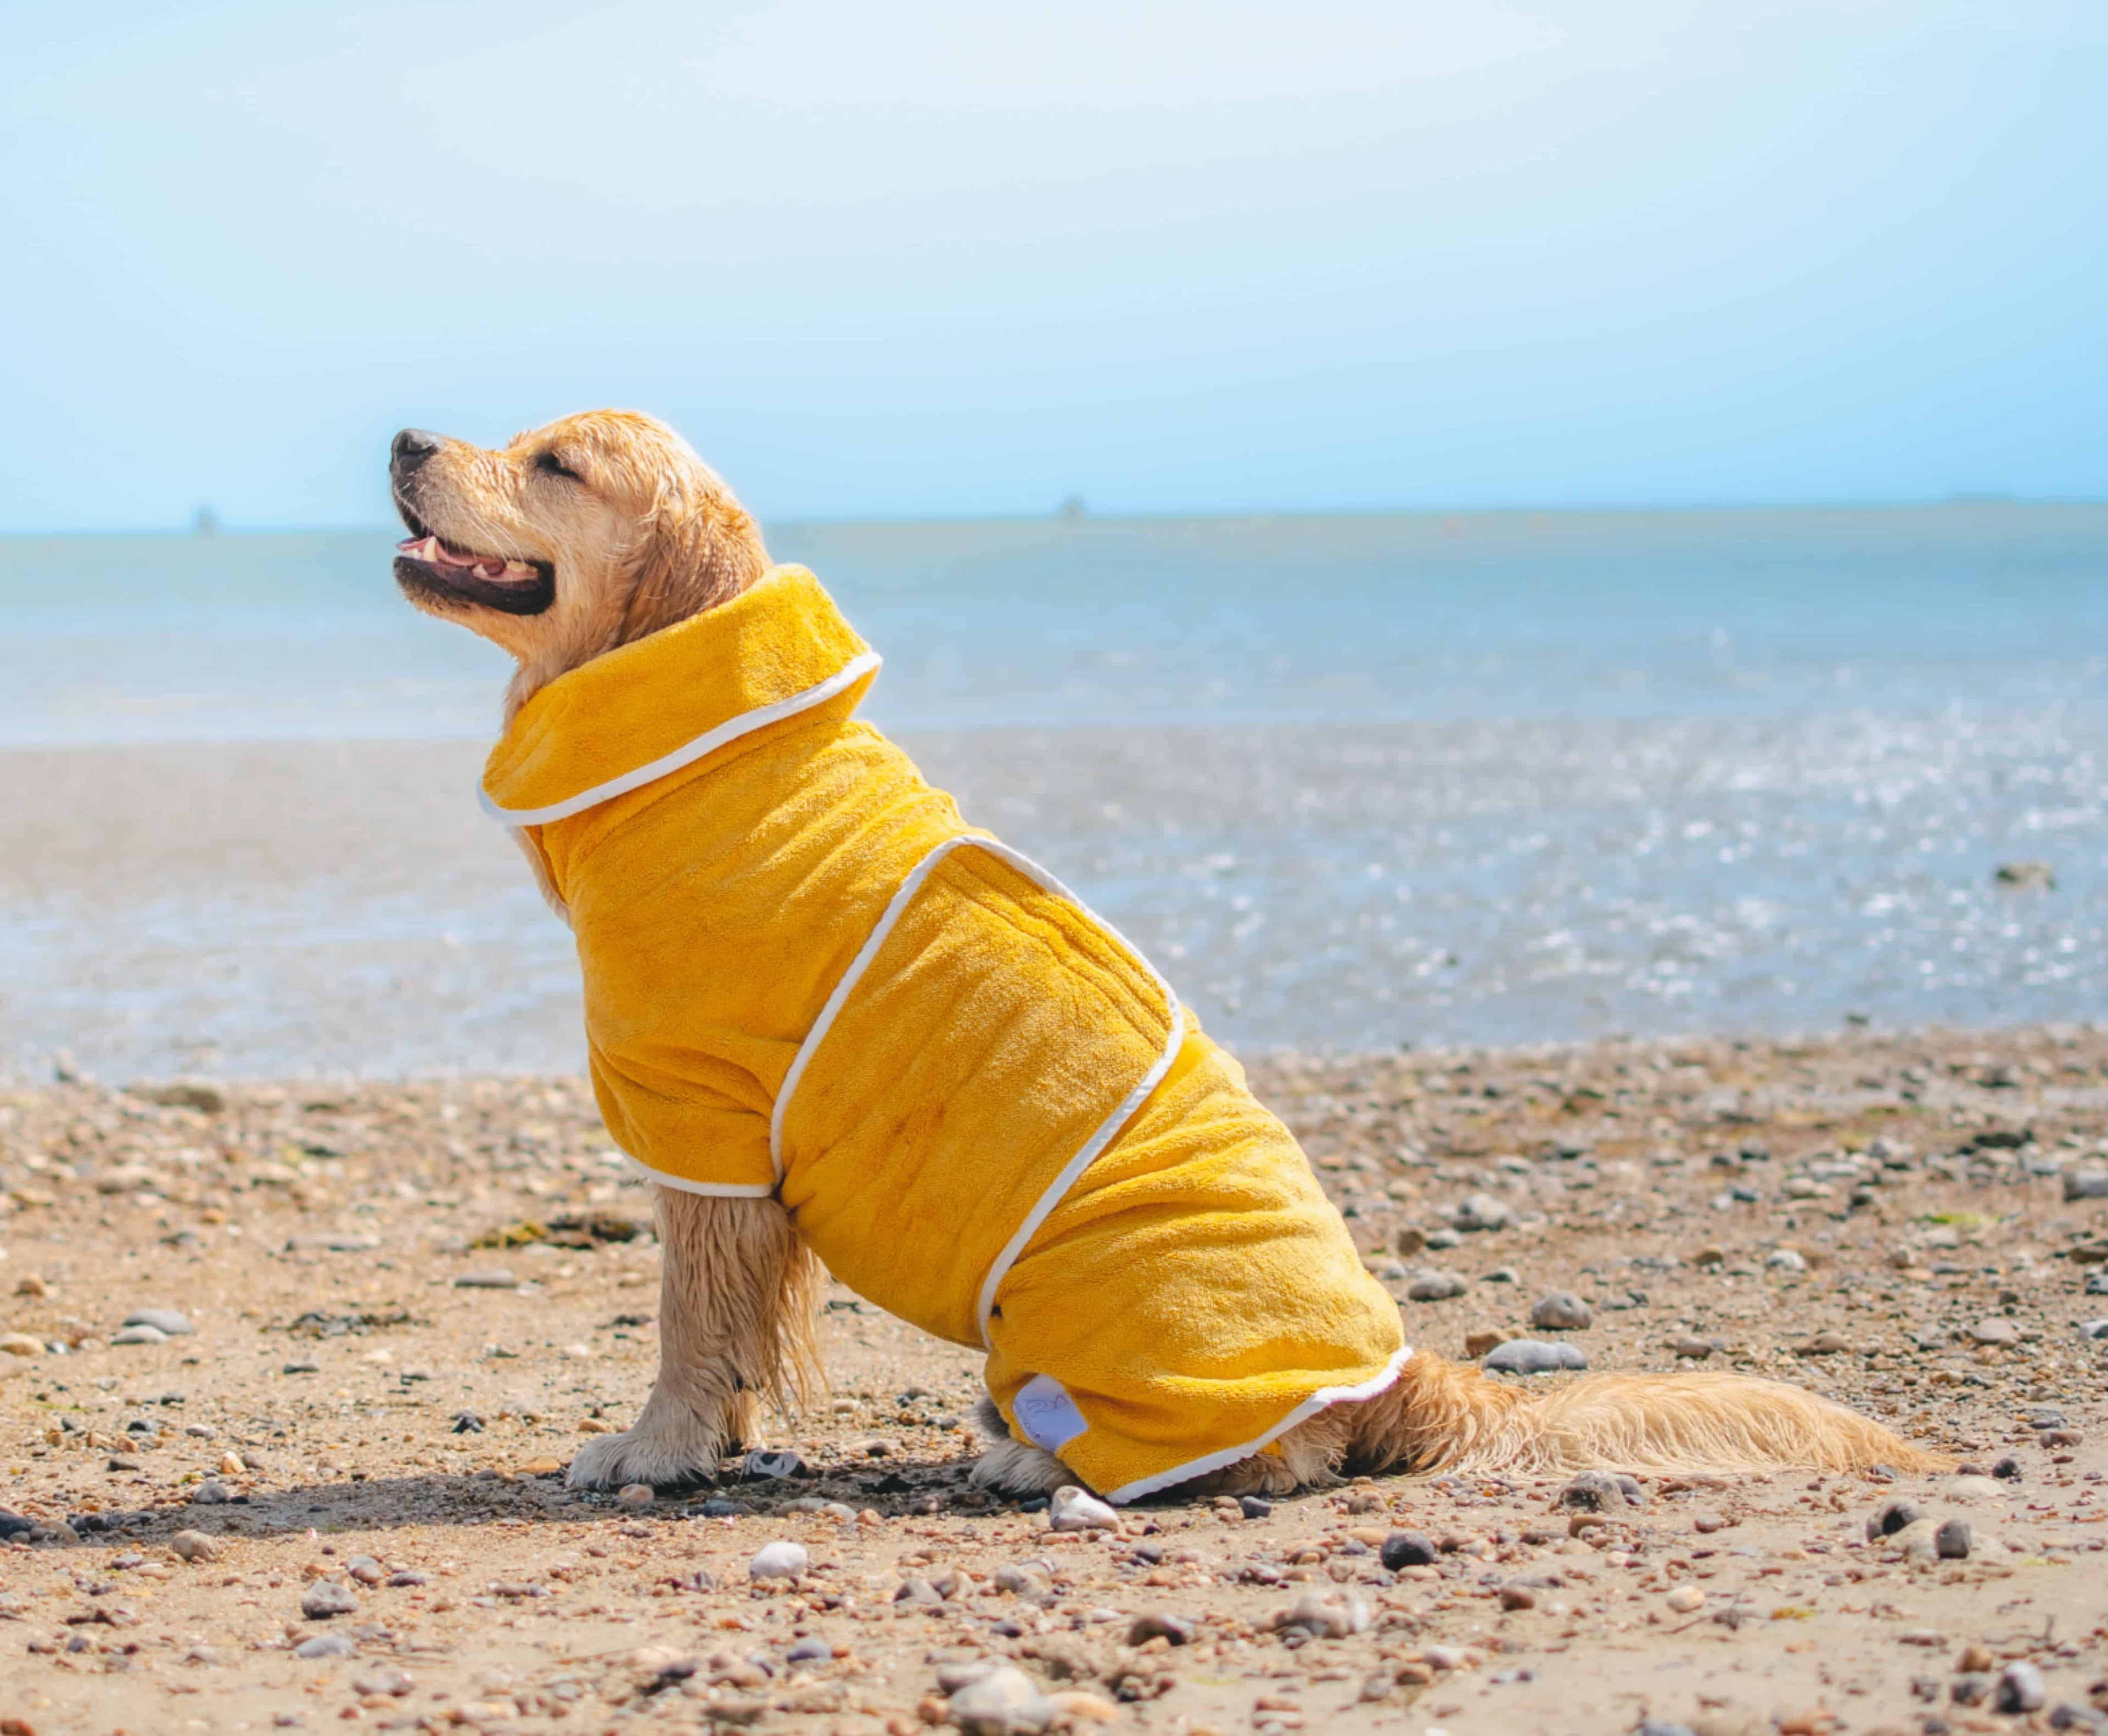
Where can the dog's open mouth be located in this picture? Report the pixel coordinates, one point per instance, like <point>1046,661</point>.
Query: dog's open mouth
<point>429,568</point>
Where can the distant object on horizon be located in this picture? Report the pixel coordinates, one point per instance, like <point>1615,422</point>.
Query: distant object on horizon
<point>204,522</point>
<point>1071,510</point>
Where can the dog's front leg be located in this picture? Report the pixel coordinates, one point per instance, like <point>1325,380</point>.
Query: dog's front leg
<point>735,1326</point>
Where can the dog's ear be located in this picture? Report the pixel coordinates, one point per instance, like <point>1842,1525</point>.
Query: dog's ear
<point>696,554</point>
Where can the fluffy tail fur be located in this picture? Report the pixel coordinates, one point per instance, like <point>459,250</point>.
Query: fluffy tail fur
<point>1439,1415</point>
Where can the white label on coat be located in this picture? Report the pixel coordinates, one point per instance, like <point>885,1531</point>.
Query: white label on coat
<point>1047,1414</point>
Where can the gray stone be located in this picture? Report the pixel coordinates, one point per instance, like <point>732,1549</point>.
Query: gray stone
<point>382,1677</point>
<point>326,1597</point>
<point>1434,1287</point>
<point>1891,1519</point>
<point>2093,1329</point>
<point>209,1493</point>
<point>494,1278</point>
<point>1561,1310</point>
<point>1995,1330</point>
<point>774,1465</point>
<point>1026,1579</point>
<point>1332,1615</point>
<point>1072,1509</point>
<point>1160,1624</point>
<point>1407,1549</point>
<point>1690,1346</point>
<point>1594,1491</point>
<point>365,1570</point>
<point>326,1645</point>
<point>1481,1212</point>
<point>165,1320</point>
<point>1952,1541</point>
<point>1533,1356</point>
<point>2020,1688</point>
<point>139,1335</point>
<point>1004,1702</point>
<point>811,1649</point>
<point>777,1561</point>
<point>2086,1184</point>
<point>1786,1260</point>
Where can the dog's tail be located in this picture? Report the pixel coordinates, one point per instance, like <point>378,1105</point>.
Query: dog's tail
<point>1439,1415</point>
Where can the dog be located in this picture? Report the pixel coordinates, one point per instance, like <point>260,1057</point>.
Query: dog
<point>678,730</point>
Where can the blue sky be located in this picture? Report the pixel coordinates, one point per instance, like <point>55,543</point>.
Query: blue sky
<point>941,259</point>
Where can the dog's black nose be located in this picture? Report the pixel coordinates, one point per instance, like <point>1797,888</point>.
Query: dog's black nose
<point>410,448</point>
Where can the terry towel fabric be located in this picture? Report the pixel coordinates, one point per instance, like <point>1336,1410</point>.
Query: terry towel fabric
<point>806,975</point>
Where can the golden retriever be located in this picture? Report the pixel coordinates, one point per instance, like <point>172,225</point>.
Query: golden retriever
<point>601,529</point>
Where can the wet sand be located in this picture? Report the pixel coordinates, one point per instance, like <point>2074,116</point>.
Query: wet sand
<point>1916,1241</point>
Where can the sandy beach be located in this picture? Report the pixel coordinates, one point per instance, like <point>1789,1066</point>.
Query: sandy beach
<point>379,1366</point>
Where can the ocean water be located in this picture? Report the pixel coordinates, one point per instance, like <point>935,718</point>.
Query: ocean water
<point>1350,780</point>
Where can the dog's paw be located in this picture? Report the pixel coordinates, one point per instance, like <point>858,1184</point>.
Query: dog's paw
<point>659,1453</point>
<point>1014,1468</point>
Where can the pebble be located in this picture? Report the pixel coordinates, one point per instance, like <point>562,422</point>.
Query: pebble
<point>365,1570</point>
<point>1561,1310</point>
<point>1995,1329</point>
<point>1004,1701</point>
<point>165,1320</point>
<point>1953,1540</point>
<point>1690,1346</point>
<point>139,1335</point>
<point>1026,1579</point>
<point>1481,1212</point>
<point>2086,1184</point>
<point>1407,1549</point>
<point>1518,1597</point>
<point>1072,1509</point>
<point>2093,1329</point>
<point>1891,1519</point>
<point>20,1344</point>
<point>1533,1356</point>
<point>326,1597</point>
<point>1786,1260</point>
<point>1477,1343</point>
<point>811,1649</point>
<point>1434,1287</point>
<point>326,1645</point>
<point>193,1546</point>
<point>636,1495</point>
<point>1160,1624</point>
<point>1331,1615</point>
<point>495,1278</point>
<point>382,1677</point>
<point>14,1525</point>
<point>774,1465</point>
<point>2020,1688</point>
<point>1686,1599</point>
<point>1595,1491</point>
<point>1825,1344</point>
<point>1253,1507</point>
<point>209,1493</point>
<point>777,1561</point>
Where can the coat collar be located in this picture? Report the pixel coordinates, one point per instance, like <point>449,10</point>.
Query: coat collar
<point>631,717</point>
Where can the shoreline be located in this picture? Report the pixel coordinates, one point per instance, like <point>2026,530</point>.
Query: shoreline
<point>1919,1240</point>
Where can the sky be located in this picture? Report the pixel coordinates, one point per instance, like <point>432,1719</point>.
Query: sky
<point>927,259</point>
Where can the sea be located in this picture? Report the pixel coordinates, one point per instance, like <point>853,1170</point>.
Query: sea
<point>1352,781</point>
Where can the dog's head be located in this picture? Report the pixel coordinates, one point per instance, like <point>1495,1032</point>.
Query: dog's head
<point>570,540</point>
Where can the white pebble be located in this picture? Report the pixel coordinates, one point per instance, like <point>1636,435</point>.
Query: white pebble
<point>777,1561</point>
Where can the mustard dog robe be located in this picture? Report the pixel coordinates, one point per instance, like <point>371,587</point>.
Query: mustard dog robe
<point>806,976</point>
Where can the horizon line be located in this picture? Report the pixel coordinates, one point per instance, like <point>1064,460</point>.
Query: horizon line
<point>1061,514</point>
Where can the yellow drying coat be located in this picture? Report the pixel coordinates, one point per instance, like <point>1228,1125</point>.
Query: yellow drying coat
<point>805,975</point>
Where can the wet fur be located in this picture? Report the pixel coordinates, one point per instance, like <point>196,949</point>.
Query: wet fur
<point>646,536</point>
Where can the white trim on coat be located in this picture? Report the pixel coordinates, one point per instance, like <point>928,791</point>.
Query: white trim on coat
<point>896,907</point>
<point>1322,1399</point>
<point>710,1189</point>
<point>688,753</point>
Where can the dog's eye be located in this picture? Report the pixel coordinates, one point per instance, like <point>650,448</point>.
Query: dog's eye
<point>549,464</point>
